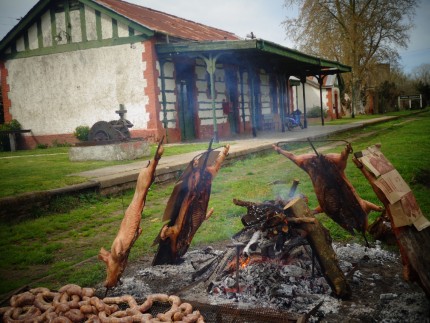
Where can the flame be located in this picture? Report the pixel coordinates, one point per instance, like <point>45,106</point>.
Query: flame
<point>245,262</point>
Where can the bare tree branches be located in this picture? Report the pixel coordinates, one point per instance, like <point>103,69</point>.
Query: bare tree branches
<point>359,33</point>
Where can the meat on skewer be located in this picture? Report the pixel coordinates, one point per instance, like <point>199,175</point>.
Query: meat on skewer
<point>336,195</point>
<point>130,230</point>
<point>187,207</point>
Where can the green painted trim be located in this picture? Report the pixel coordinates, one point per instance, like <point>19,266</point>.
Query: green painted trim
<point>251,47</point>
<point>120,18</point>
<point>67,21</point>
<point>13,47</point>
<point>83,22</point>
<point>43,5</point>
<point>99,25</point>
<point>23,24</point>
<point>130,31</point>
<point>39,33</point>
<point>295,83</point>
<point>26,41</point>
<point>75,46</point>
<point>210,109</point>
<point>163,98</point>
<point>114,28</point>
<point>53,26</point>
<point>201,47</point>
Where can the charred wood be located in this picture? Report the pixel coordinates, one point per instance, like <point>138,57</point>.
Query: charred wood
<point>321,243</point>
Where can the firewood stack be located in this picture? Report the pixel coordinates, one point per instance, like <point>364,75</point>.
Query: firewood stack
<point>279,226</point>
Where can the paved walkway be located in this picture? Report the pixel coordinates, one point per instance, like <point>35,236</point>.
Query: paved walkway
<point>114,179</point>
<point>169,166</point>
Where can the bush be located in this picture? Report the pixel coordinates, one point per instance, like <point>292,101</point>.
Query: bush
<point>82,133</point>
<point>55,143</point>
<point>42,146</point>
<point>315,112</point>
<point>4,139</point>
<point>12,125</point>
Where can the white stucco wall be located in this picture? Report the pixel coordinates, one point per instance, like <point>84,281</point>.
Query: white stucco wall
<point>312,97</point>
<point>90,22</point>
<point>86,86</point>
<point>46,29</point>
<point>76,32</point>
<point>170,85</point>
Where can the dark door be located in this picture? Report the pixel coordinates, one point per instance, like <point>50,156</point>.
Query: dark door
<point>233,100</point>
<point>185,98</point>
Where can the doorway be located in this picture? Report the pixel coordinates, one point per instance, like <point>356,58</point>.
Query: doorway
<point>185,101</point>
<point>232,99</point>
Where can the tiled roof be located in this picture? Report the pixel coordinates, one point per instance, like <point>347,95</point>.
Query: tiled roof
<point>165,23</point>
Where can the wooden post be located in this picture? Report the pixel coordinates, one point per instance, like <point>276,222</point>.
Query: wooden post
<point>321,243</point>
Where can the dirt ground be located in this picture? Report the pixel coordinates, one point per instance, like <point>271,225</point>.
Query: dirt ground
<point>379,293</point>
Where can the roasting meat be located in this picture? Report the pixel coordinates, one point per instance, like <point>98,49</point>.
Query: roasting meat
<point>187,207</point>
<point>336,195</point>
<point>130,229</point>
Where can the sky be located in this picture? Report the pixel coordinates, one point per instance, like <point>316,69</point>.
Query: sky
<point>262,17</point>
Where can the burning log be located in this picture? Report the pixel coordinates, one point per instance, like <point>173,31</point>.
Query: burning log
<point>411,229</point>
<point>279,219</point>
<point>321,243</point>
<point>336,195</point>
<point>130,230</point>
<point>187,207</point>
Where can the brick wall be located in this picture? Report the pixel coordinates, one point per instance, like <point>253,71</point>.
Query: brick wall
<point>5,90</point>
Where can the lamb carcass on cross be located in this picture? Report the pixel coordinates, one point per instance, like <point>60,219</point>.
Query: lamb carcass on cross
<point>187,207</point>
<point>336,196</point>
<point>130,230</point>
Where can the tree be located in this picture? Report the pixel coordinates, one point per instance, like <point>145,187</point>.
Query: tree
<point>359,33</point>
<point>421,80</point>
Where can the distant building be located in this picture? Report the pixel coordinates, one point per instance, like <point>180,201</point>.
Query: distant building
<point>330,95</point>
<point>73,62</point>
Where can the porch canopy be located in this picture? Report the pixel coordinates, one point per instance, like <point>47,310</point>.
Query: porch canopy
<point>250,54</point>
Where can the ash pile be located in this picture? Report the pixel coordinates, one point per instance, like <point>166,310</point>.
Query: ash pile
<point>293,283</point>
<point>379,292</point>
<point>275,262</point>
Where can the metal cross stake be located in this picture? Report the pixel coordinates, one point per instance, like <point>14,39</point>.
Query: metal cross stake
<point>238,246</point>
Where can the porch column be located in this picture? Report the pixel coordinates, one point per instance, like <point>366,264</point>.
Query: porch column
<point>282,102</point>
<point>287,91</point>
<point>242,98</point>
<point>320,79</point>
<point>210,68</point>
<point>305,120</point>
<point>253,104</point>
<point>163,98</point>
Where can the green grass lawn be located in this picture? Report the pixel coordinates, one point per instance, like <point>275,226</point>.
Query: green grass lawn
<point>61,247</point>
<point>43,169</point>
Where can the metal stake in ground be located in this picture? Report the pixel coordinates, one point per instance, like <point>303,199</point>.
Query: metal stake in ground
<point>238,246</point>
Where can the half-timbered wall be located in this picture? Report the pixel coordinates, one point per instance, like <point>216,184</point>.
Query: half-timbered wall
<point>74,66</point>
<point>170,93</point>
<point>265,93</point>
